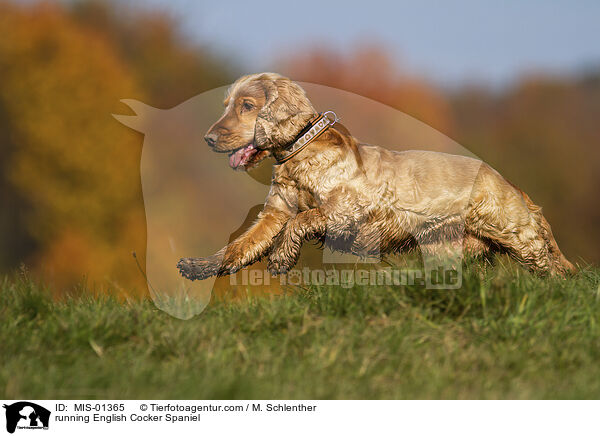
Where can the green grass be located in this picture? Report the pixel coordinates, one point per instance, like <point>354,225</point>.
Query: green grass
<point>505,334</point>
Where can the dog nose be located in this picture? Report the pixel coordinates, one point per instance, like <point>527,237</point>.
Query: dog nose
<point>211,139</point>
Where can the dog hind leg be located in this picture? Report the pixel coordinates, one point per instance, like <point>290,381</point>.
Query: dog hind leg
<point>518,227</point>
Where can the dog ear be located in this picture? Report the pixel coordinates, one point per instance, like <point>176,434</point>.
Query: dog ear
<point>286,112</point>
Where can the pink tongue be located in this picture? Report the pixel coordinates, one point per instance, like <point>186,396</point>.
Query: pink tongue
<point>241,156</point>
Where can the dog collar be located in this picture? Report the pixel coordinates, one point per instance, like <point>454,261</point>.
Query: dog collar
<point>311,132</point>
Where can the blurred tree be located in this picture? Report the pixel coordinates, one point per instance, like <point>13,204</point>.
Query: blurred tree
<point>368,71</point>
<point>15,240</point>
<point>166,65</point>
<point>74,170</point>
<point>70,187</point>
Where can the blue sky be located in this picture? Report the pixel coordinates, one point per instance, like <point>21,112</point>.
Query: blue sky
<point>449,42</point>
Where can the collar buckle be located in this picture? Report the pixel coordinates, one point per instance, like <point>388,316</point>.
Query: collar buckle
<point>335,117</point>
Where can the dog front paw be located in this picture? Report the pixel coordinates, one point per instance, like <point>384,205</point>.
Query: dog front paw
<point>279,264</point>
<point>198,268</point>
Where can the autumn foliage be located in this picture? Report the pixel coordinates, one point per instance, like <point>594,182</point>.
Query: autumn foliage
<point>72,204</point>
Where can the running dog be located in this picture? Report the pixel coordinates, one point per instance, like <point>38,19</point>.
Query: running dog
<point>361,198</point>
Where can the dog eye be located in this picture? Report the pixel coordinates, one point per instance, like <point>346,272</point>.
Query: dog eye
<point>247,106</point>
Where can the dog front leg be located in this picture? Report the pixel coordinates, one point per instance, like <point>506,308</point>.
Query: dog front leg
<point>243,251</point>
<point>286,248</point>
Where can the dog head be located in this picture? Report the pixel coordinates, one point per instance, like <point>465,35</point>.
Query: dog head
<point>263,114</point>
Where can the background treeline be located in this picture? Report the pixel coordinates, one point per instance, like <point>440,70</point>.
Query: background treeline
<point>70,196</point>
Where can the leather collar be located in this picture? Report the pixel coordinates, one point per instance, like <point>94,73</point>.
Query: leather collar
<point>312,131</point>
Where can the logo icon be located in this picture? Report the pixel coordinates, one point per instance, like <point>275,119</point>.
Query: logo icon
<point>26,415</point>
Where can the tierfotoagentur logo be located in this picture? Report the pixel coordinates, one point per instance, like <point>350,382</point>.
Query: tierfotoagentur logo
<point>349,277</point>
<point>24,415</point>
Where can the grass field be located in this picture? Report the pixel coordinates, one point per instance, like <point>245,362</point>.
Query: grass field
<point>505,334</point>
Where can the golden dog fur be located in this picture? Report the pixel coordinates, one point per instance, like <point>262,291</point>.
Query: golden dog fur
<point>361,198</point>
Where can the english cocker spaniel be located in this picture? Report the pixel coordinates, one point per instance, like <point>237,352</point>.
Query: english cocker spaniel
<point>361,198</point>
